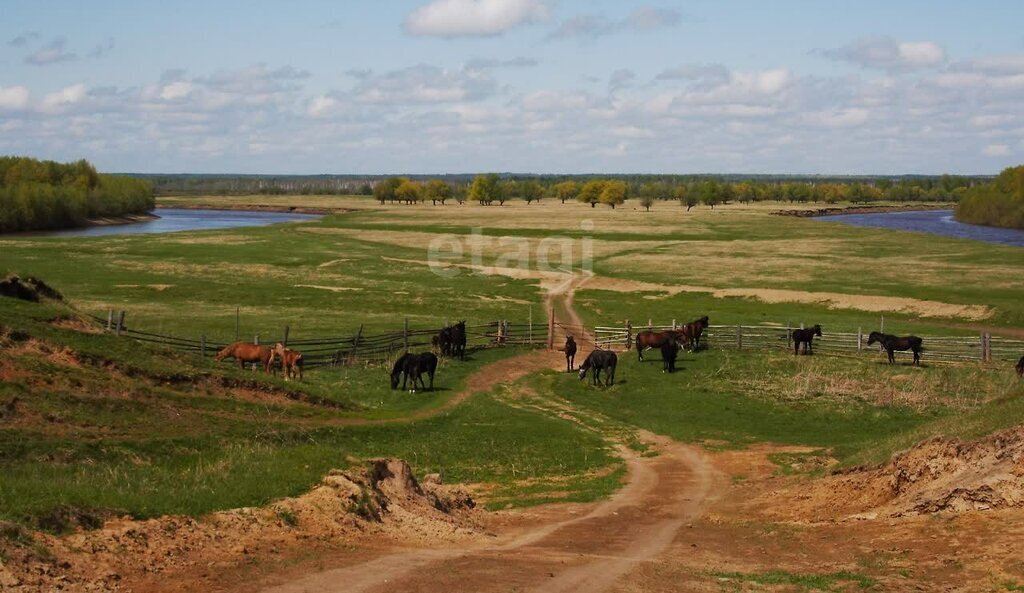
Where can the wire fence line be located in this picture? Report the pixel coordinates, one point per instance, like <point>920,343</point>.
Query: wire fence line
<point>365,347</point>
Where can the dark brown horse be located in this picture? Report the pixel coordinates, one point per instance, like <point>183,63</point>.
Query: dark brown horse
<point>693,331</point>
<point>1020,367</point>
<point>652,339</point>
<point>805,337</point>
<point>570,353</point>
<point>244,352</point>
<point>669,353</point>
<point>892,343</point>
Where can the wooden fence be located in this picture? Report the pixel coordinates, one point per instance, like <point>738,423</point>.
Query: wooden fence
<point>360,347</point>
<point>981,348</point>
<point>363,347</point>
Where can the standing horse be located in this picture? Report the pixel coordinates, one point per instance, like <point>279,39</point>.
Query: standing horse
<point>652,339</point>
<point>892,343</point>
<point>669,352</point>
<point>291,361</point>
<point>597,361</point>
<point>1020,367</point>
<point>570,353</point>
<point>693,331</point>
<point>452,340</point>
<point>411,367</point>
<point>244,352</point>
<point>805,337</point>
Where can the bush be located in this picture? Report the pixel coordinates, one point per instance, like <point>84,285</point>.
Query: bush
<point>1000,203</point>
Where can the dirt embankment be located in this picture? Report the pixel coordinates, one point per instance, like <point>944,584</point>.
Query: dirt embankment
<point>256,208</point>
<point>938,475</point>
<point>810,213</point>
<point>383,501</point>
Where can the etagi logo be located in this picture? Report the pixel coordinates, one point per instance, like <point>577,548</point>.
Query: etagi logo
<point>489,255</point>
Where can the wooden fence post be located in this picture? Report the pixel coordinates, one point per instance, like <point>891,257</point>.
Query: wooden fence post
<point>110,319</point>
<point>551,329</point>
<point>860,339</point>
<point>739,337</point>
<point>256,339</point>
<point>405,334</point>
<point>237,315</point>
<point>650,325</point>
<point>530,325</point>
<point>284,337</point>
<point>120,323</point>
<point>986,347</point>
<point>673,325</point>
<point>629,335</point>
<point>355,343</point>
<point>202,346</point>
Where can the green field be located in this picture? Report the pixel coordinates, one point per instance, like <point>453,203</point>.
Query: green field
<point>105,426</point>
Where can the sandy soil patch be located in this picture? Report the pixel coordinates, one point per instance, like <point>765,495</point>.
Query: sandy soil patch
<point>330,288</point>
<point>226,239</point>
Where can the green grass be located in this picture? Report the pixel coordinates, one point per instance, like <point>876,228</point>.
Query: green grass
<point>805,582</point>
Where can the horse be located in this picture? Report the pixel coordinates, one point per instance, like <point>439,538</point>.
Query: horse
<point>1020,367</point>
<point>693,331</point>
<point>652,339</point>
<point>291,361</point>
<point>669,352</point>
<point>412,366</point>
<point>244,352</point>
<point>570,353</point>
<point>600,360</point>
<point>805,336</point>
<point>891,343</point>
<point>452,340</point>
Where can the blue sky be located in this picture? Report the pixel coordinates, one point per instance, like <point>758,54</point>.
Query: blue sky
<point>586,86</point>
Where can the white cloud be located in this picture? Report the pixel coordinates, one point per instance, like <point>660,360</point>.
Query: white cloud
<point>473,18</point>
<point>176,90</point>
<point>68,95</point>
<point>886,53</point>
<point>321,105</point>
<point>642,19</point>
<point>424,84</point>
<point>13,98</point>
<point>839,118</point>
<point>996,150</point>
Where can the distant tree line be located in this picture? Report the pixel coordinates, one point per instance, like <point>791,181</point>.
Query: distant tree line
<point>999,203</point>
<point>37,195</point>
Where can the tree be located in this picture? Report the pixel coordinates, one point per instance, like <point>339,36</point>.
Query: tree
<point>614,193</point>
<point>591,191</point>
<point>565,190</point>
<point>686,196</point>
<point>437,191</point>
<point>485,189</point>
<point>709,193</point>
<point>531,190</point>
<point>646,200</point>
<point>507,190</point>
<point>384,191</point>
<point>409,192</point>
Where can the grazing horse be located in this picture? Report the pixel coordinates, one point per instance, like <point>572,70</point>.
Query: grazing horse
<point>244,352</point>
<point>891,343</point>
<point>600,360</point>
<point>570,353</point>
<point>805,336</point>
<point>1020,367</point>
<point>291,361</point>
<point>411,367</point>
<point>693,331</point>
<point>652,339</point>
<point>669,352</point>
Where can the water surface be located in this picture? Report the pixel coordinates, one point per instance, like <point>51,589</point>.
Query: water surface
<point>936,222</point>
<point>173,220</point>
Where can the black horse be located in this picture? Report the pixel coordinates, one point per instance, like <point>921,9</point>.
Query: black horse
<point>693,331</point>
<point>452,340</point>
<point>669,352</point>
<point>805,337</point>
<point>1020,367</point>
<point>600,360</point>
<point>570,353</point>
<point>892,343</point>
<point>411,367</point>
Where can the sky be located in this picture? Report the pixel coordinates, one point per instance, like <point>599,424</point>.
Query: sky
<point>525,86</point>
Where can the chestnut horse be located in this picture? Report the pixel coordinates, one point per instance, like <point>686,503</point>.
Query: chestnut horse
<point>652,339</point>
<point>693,331</point>
<point>291,361</point>
<point>245,352</point>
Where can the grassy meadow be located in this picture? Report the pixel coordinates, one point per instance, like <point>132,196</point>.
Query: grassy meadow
<point>109,426</point>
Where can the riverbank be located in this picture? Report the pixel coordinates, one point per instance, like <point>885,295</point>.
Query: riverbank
<point>317,210</point>
<point>805,213</point>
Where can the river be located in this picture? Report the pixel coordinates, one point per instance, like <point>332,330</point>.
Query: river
<point>936,222</point>
<point>181,219</point>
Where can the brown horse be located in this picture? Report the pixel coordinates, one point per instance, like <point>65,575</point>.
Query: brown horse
<point>291,361</point>
<point>652,339</point>
<point>244,352</point>
<point>692,332</point>
<point>570,353</point>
